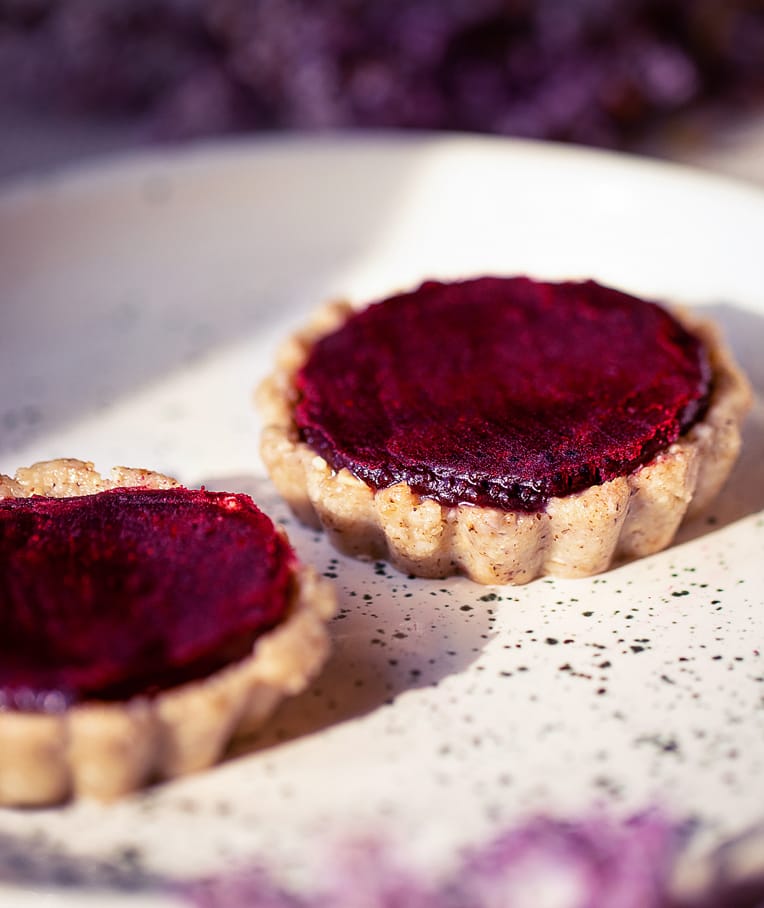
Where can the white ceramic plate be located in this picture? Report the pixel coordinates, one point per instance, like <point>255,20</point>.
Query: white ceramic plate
<point>142,300</point>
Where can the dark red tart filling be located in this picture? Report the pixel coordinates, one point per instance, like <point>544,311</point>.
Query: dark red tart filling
<point>502,392</point>
<point>131,591</point>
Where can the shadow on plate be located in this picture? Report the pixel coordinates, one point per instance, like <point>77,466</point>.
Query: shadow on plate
<point>392,633</point>
<point>117,277</point>
<point>32,860</point>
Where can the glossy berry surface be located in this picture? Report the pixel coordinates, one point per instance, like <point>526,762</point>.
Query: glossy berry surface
<point>501,392</point>
<point>131,591</point>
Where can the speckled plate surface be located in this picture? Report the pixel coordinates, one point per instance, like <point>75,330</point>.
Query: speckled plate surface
<point>142,301</point>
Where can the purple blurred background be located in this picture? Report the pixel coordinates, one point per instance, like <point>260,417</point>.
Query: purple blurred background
<point>602,72</point>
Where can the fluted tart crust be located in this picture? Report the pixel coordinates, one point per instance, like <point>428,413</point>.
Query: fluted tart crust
<point>572,535</point>
<point>106,747</point>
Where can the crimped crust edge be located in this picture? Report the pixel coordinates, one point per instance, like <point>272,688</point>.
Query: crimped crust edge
<point>576,536</point>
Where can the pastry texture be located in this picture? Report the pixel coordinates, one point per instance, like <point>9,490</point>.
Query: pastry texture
<point>86,739</point>
<point>631,511</point>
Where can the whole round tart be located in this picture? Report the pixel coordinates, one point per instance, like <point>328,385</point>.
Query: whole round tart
<point>144,624</point>
<point>503,427</point>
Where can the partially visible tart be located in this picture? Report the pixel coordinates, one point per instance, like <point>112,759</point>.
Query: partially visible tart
<point>144,626</point>
<point>502,428</point>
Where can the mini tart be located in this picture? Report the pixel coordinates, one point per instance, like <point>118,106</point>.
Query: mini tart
<point>107,711</point>
<point>574,519</point>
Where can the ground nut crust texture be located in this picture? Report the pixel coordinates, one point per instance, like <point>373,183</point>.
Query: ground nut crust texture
<point>574,535</point>
<point>105,747</point>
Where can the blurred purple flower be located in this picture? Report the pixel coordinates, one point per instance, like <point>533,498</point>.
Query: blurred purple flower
<point>547,864</point>
<point>584,70</point>
<point>592,864</point>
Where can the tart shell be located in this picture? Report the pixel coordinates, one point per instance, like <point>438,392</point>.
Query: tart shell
<point>575,536</point>
<point>105,750</point>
